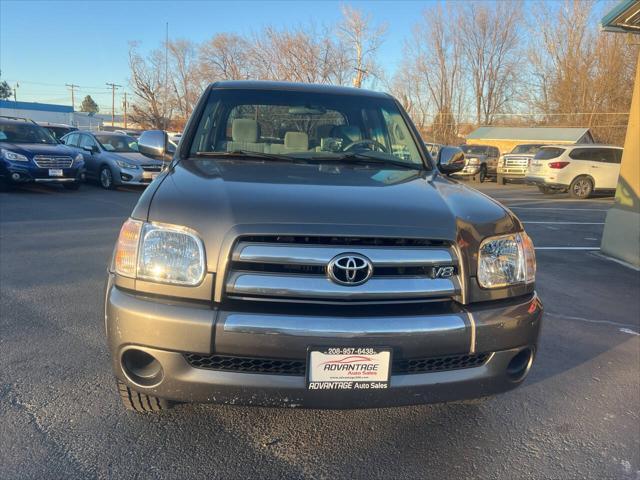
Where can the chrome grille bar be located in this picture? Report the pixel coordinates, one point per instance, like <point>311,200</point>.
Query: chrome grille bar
<point>318,287</point>
<point>46,161</point>
<point>321,255</point>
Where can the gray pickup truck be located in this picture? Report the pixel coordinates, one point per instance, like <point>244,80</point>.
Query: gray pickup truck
<point>303,249</point>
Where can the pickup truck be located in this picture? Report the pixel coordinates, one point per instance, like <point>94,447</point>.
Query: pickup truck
<point>303,249</point>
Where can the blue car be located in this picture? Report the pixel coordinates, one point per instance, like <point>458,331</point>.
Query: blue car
<point>29,153</point>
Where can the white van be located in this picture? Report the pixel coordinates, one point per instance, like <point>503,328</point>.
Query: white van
<point>578,169</point>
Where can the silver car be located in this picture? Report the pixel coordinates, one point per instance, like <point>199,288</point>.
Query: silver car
<point>113,159</point>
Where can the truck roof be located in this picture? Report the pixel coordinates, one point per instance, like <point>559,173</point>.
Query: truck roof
<point>295,87</point>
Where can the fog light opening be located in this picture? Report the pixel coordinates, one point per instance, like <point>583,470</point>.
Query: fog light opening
<point>141,368</point>
<point>15,176</point>
<point>520,365</point>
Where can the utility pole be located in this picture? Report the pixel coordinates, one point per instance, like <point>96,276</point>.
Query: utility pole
<point>113,101</point>
<point>124,104</point>
<point>73,98</point>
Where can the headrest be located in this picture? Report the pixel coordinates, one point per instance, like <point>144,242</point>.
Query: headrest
<point>244,130</point>
<point>350,133</point>
<point>296,140</point>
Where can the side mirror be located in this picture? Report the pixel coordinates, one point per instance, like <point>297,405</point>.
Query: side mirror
<point>450,160</point>
<point>91,149</point>
<point>153,143</point>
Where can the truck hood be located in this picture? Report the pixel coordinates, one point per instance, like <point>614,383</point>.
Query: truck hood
<point>221,199</point>
<point>30,149</point>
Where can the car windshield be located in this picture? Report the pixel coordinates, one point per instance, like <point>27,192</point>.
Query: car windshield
<point>305,126</point>
<point>118,143</point>
<point>58,132</point>
<point>26,132</point>
<point>526,149</point>
<point>474,149</point>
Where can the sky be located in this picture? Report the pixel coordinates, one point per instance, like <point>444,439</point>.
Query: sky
<point>47,44</point>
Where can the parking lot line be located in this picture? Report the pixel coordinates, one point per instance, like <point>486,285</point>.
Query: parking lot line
<point>567,223</point>
<point>567,248</point>
<point>568,209</point>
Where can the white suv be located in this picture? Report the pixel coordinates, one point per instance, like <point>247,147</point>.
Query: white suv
<point>578,169</point>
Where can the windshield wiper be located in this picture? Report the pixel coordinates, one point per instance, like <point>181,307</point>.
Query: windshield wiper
<point>366,159</point>
<point>249,154</point>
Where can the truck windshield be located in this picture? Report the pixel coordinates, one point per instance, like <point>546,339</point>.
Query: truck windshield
<point>474,149</point>
<point>305,126</point>
<point>526,149</point>
<point>24,133</point>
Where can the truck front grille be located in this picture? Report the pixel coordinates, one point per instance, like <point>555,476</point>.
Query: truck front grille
<point>516,162</point>
<point>46,161</point>
<point>296,269</point>
<point>296,367</point>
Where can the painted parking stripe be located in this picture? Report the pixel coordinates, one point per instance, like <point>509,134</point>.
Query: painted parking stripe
<point>564,223</point>
<point>569,248</point>
<point>567,209</point>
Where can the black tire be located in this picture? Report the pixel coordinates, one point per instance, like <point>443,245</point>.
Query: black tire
<point>501,180</point>
<point>545,190</point>
<point>105,178</point>
<point>71,186</point>
<point>482,176</point>
<point>140,402</point>
<point>581,187</point>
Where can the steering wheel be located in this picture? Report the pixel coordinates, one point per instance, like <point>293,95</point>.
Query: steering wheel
<point>365,142</point>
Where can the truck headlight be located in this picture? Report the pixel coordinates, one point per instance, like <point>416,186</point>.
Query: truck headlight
<point>160,253</point>
<point>473,161</point>
<point>123,164</point>
<point>506,260</point>
<point>13,156</point>
<point>501,161</point>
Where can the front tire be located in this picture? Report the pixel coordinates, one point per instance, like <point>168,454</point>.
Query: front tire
<point>140,402</point>
<point>501,180</point>
<point>581,188</point>
<point>105,179</point>
<point>482,176</point>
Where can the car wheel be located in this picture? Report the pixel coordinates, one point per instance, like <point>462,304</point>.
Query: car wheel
<point>140,402</point>
<point>581,188</point>
<point>501,180</point>
<point>482,176</point>
<point>71,186</point>
<point>106,178</point>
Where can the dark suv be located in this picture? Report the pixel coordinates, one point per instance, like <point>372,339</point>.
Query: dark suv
<point>304,250</point>
<point>29,153</point>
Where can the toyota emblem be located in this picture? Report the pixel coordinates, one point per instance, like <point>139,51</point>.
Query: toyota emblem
<point>350,269</point>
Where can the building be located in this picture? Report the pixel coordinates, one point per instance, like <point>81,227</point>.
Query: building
<point>47,112</point>
<point>621,237</point>
<point>505,138</point>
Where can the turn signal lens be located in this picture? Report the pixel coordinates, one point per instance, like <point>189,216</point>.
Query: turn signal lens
<point>126,256</point>
<point>558,164</point>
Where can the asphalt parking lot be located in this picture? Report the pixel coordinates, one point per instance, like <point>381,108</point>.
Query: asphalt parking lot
<point>576,416</point>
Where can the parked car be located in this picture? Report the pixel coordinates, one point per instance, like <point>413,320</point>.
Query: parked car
<point>113,159</point>
<point>57,130</point>
<point>288,258</point>
<point>578,169</point>
<point>513,165</point>
<point>481,161</point>
<point>29,153</point>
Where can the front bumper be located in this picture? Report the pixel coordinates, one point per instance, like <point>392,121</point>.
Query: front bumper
<point>468,170</point>
<point>137,177</point>
<point>17,173</point>
<point>168,329</point>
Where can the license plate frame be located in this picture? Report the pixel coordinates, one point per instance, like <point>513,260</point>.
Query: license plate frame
<point>355,368</point>
<point>56,172</point>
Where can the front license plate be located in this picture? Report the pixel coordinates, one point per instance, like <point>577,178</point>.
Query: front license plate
<point>347,368</point>
<point>55,172</point>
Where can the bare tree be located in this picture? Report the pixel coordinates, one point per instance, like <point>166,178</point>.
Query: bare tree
<point>583,77</point>
<point>150,105</point>
<point>224,57</point>
<point>490,42</point>
<point>362,40</point>
<point>183,66</point>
